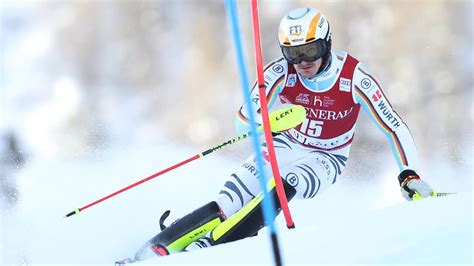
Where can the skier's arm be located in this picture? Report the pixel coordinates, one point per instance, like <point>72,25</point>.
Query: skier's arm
<point>274,74</point>
<point>368,93</point>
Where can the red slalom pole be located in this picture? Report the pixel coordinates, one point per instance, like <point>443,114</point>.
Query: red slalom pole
<point>266,122</point>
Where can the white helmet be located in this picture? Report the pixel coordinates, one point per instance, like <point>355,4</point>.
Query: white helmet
<point>304,34</point>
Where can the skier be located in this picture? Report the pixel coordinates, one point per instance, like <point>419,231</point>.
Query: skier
<point>332,86</point>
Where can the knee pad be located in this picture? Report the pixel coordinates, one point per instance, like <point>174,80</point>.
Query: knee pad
<point>182,232</point>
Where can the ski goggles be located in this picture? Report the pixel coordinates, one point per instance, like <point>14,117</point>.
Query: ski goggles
<point>308,52</point>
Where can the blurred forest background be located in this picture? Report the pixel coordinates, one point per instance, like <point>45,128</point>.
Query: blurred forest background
<point>78,77</point>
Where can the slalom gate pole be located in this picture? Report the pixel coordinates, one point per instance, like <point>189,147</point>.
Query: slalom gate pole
<point>266,124</point>
<point>268,204</point>
<point>282,120</point>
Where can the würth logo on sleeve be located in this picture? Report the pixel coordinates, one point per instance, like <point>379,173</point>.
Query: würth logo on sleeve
<point>345,84</point>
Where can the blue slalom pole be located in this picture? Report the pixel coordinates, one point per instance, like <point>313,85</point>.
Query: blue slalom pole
<point>268,204</point>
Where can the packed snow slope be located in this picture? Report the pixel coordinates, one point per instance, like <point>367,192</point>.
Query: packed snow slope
<point>356,221</point>
<point>435,231</point>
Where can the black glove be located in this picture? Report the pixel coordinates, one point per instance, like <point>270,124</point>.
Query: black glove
<point>412,186</point>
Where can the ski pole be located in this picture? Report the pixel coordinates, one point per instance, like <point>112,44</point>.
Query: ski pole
<point>442,194</point>
<point>417,196</point>
<point>280,120</point>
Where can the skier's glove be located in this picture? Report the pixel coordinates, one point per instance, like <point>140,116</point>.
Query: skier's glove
<point>413,187</point>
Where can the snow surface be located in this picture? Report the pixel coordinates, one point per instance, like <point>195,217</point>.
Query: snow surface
<point>356,221</point>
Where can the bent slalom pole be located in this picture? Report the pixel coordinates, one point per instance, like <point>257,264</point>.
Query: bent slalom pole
<point>280,120</point>
<point>265,116</point>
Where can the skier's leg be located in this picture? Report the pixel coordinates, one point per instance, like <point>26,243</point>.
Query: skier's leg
<point>182,232</point>
<point>244,223</point>
<point>248,220</point>
<point>244,184</point>
<point>313,174</point>
<point>305,172</point>
<point>241,188</point>
<point>304,178</point>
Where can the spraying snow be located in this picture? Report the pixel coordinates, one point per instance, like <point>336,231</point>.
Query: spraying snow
<point>354,221</point>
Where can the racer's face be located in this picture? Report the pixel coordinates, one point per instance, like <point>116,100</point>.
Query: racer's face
<point>308,69</point>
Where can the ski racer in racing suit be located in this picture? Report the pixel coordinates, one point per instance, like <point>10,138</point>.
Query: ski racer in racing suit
<point>332,86</point>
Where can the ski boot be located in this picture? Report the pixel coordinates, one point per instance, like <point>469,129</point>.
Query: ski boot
<point>182,232</point>
<point>244,223</point>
